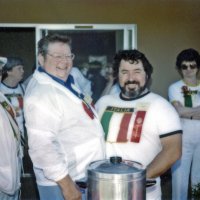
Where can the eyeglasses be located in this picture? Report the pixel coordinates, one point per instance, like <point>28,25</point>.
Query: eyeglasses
<point>62,57</point>
<point>185,67</point>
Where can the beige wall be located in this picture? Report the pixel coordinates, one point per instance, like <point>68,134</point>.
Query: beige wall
<point>165,27</point>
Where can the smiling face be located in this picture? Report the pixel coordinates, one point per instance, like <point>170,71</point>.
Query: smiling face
<point>132,78</point>
<point>58,60</point>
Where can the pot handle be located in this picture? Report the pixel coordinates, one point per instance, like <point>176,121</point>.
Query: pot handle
<point>115,159</point>
<point>81,184</point>
<point>150,182</point>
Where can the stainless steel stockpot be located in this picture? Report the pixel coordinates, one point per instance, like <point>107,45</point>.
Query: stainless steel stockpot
<point>116,179</point>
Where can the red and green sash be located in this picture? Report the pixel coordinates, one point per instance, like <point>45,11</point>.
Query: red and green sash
<point>18,97</point>
<point>187,94</point>
<point>11,116</point>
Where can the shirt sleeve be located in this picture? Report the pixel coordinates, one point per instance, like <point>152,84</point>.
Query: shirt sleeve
<point>167,118</point>
<point>175,94</point>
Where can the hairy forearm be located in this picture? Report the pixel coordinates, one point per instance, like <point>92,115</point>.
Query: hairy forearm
<point>69,189</point>
<point>159,166</point>
<point>164,160</point>
<point>186,112</point>
<point>196,113</point>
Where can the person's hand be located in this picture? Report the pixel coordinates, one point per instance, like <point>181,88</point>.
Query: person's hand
<point>72,194</point>
<point>69,189</point>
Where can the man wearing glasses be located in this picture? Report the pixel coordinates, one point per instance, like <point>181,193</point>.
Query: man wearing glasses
<point>63,131</point>
<point>185,96</point>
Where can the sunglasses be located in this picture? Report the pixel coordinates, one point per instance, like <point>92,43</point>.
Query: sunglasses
<point>185,67</point>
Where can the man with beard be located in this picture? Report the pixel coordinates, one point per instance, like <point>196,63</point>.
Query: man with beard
<point>139,125</point>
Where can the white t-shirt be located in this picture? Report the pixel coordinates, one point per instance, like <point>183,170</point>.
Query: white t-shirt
<point>118,116</point>
<point>15,96</point>
<point>176,93</point>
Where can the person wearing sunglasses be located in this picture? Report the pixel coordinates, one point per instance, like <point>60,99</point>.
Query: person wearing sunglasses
<point>185,96</point>
<point>140,125</point>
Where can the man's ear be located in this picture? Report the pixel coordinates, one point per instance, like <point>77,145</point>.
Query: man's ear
<point>41,59</point>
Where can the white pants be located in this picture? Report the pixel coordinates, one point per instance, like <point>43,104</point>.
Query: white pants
<point>189,162</point>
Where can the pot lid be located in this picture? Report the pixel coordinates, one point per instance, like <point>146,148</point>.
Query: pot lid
<point>116,167</point>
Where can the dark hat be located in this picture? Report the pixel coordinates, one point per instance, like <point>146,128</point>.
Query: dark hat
<point>12,62</point>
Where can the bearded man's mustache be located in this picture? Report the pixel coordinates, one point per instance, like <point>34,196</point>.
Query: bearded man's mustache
<point>131,82</point>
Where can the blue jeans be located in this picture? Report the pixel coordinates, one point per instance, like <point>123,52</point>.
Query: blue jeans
<point>189,162</point>
<point>4,196</point>
<point>51,193</point>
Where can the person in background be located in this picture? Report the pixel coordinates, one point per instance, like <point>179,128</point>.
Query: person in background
<point>81,81</point>
<point>139,125</point>
<point>112,86</point>
<point>13,89</point>
<point>84,68</point>
<point>26,80</point>
<point>11,152</point>
<point>64,132</point>
<point>98,82</point>
<point>185,97</point>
